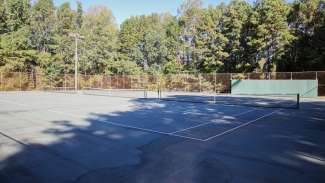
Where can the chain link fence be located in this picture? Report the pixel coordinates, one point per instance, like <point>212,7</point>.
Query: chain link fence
<point>185,82</point>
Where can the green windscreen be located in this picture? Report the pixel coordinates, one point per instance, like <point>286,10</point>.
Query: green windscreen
<point>306,88</point>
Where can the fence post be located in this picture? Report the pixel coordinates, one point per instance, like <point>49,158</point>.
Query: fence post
<point>117,82</point>
<point>316,75</point>
<point>65,80</point>
<point>291,75</point>
<point>1,84</point>
<point>187,85</point>
<point>20,82</point>
<point>123,81</point>
<point>200,84</point>
<point>215,83</point>
<point>102,81</point>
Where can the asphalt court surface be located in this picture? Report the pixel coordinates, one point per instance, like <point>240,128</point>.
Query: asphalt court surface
<point>176,120</point>
<point>100,136</point>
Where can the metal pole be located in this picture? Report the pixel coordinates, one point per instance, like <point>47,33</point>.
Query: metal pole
<point>316,75</point>
<point>110,81</point>
<point>291,75</point>
<point>200,82</point>
<point>187,83</point>
<point>76,36</point>
<point>102,81</point>
<point>65,80</point>
<point>117,81</point>
<point>131,78</point>
<point>215,88</point>
<point>298,101</point>
<point>20,78</point>
<point>123,81</point>
<point>1,84</point>
<point>76,65</point>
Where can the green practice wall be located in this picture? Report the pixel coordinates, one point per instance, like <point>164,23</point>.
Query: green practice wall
<point>306,88</point>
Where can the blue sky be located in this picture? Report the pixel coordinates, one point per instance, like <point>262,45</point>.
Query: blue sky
<point>123,9</point>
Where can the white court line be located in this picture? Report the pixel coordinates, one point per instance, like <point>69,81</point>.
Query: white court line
<point>127,126</point>
<point>240,126</point>
<point>245,112</point>
<point>159,132</point>
<point>111,123</point>
<point>203,124</point>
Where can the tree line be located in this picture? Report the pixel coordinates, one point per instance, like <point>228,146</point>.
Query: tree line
<point>265,36</point>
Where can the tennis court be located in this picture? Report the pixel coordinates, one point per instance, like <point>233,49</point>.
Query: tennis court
<point>140,136</point>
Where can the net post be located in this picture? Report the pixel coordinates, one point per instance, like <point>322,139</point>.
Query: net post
<point>316,75</point>
<point>158,86</point>
<point>215,88</point>
<point>291,75</point>
<point>298,101</point>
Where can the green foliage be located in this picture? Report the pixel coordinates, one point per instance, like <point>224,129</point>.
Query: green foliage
<point>239,37</point>
<point>64,43</point>
<point>100,40</point>
<point>272,32</point>
<point>172,67</point>
<point>79,18</point>
<point>190,15</point>
<point>210,42</point>
<point>235,29</point>
<point>121,65</point>
<point>14,14</point>
<point>42,25</point>
<point>149,40</point>
<point>306,22</point>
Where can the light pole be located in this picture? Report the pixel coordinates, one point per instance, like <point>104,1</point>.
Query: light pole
<point>76,36</point>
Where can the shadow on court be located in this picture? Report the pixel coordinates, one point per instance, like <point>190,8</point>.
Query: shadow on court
<point>285,147</point>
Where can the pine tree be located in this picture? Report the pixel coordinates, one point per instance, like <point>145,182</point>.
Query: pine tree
<point>210,42</point>
<point>272,32</point>
<point>15,52</point>
<point>64,43</point>
<point>79,15</point>
<point>304,18</point>
<point>43,25</point>
<point>189,17</point>
<point>235,30</point>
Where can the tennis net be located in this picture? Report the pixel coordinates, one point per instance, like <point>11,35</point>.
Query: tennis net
<point>123,93</point>
<point>252,100</point>
<point>68,90</point>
